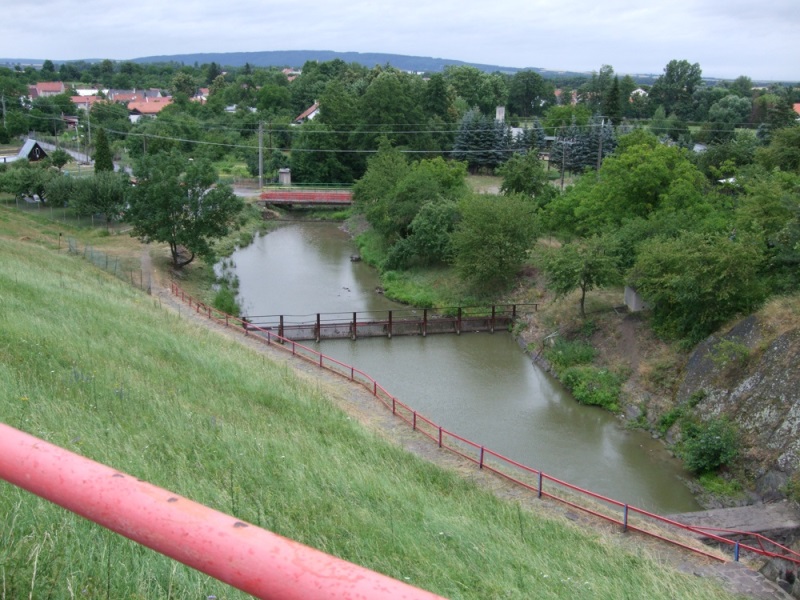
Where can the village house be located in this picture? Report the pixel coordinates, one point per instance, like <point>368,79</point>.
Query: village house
<point>44,89</point>
<point>147,108</point>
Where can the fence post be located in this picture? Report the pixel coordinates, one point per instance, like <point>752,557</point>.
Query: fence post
<point>539,491</point>
<point>280,326</point>
<point>424,322</point>
<point>480,463</point>
<point>440,436</point>
<point>736,552</point>
<point>354,326</point>
<point>414,423</point>
<point>390,324</point>
<point>513,312</point>
<point>394,405</point>
<point>625,519</point>
<point>318,328</point>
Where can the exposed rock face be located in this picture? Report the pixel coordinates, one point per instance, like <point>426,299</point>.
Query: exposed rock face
<point>753,379</point>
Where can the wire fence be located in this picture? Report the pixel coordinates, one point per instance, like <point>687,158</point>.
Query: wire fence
<point>63,214</point>
<point>625,516</point>
<point>127,269</point>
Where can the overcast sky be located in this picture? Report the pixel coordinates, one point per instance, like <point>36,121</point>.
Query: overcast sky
<point>760,39</point>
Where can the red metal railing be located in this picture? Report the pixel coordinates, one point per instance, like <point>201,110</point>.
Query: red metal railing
<point>288,196</point>
<point>629,518</point>
<point>247,557</point>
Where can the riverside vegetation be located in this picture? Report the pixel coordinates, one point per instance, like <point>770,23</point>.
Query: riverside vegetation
<point>99,368</point>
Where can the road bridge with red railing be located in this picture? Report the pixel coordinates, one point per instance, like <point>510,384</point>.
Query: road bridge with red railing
<point>307,197</point>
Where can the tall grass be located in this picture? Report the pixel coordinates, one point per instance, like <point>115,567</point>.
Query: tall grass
<point>101,369</point>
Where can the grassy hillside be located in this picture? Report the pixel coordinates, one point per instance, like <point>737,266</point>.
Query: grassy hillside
<point>94,366</point>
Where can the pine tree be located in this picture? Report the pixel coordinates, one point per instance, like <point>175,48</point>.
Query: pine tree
<point>103,159</point>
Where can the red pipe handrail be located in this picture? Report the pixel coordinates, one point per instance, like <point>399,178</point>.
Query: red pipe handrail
<point>374,386</point>
<point>247,557</point>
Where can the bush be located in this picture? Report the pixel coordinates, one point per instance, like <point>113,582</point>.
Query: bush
<point>710,445</point>
<point>564,353</point>
<point>225,301</point>
<point>593,386</point>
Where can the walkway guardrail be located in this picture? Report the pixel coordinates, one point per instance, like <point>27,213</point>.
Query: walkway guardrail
<point>627,517</point>
<point>240,554</point>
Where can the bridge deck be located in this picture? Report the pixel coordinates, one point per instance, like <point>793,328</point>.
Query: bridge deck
<point>301,197</point>
<point>388,323</point>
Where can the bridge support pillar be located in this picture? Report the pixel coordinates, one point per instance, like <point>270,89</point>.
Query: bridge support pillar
<point>353,332</point>
<point>424,322</point>
<point>458,322</point>
<point>390,325</point>
<point>317,332</point>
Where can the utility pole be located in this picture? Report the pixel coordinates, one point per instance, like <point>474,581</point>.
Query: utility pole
<point>260,155</point>
<point>600,146</point>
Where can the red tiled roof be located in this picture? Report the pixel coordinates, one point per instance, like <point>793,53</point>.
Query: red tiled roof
<point>797,107</point>
<point>306,113</point>
<point>151,106</point>
<point>44,87</point>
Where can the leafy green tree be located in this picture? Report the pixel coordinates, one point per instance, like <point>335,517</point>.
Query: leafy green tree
<point>742,86</point>
<point>696,282</point>
<point>557,119</point>
<point>612,104</point>
<point>438,99</point>
<point>24,179</point>
<point>529,94</point>
<point>428,181</point>
<point>428,242</point>
<point>60,157</point>
<point>524,174</point>
<point>373,191</point>
<point>178,202</point>
<point>673,90</point>
<point>103,159</point>
<point>725,116</point>
<point>783,151</point>
<point>60,191</point>
<point>583,264</point>
<point>492,239</point>
<point>593,93</point>
<point>641,178</point>
<point>105,193</point>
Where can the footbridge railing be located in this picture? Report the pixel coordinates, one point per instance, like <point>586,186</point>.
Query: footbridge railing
<point>626,516</point>
<point>388,323</point>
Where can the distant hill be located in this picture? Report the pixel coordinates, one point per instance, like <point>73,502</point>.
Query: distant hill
<point>296,58</point>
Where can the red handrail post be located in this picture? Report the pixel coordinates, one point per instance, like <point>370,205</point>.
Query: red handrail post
<point>480,462</point>
<point>280,326</point>
<point>539,490</point>
<point>440,436</point>
<point>625,519</point>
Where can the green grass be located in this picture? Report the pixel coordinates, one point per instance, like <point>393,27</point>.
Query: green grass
<point>92,365</point>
